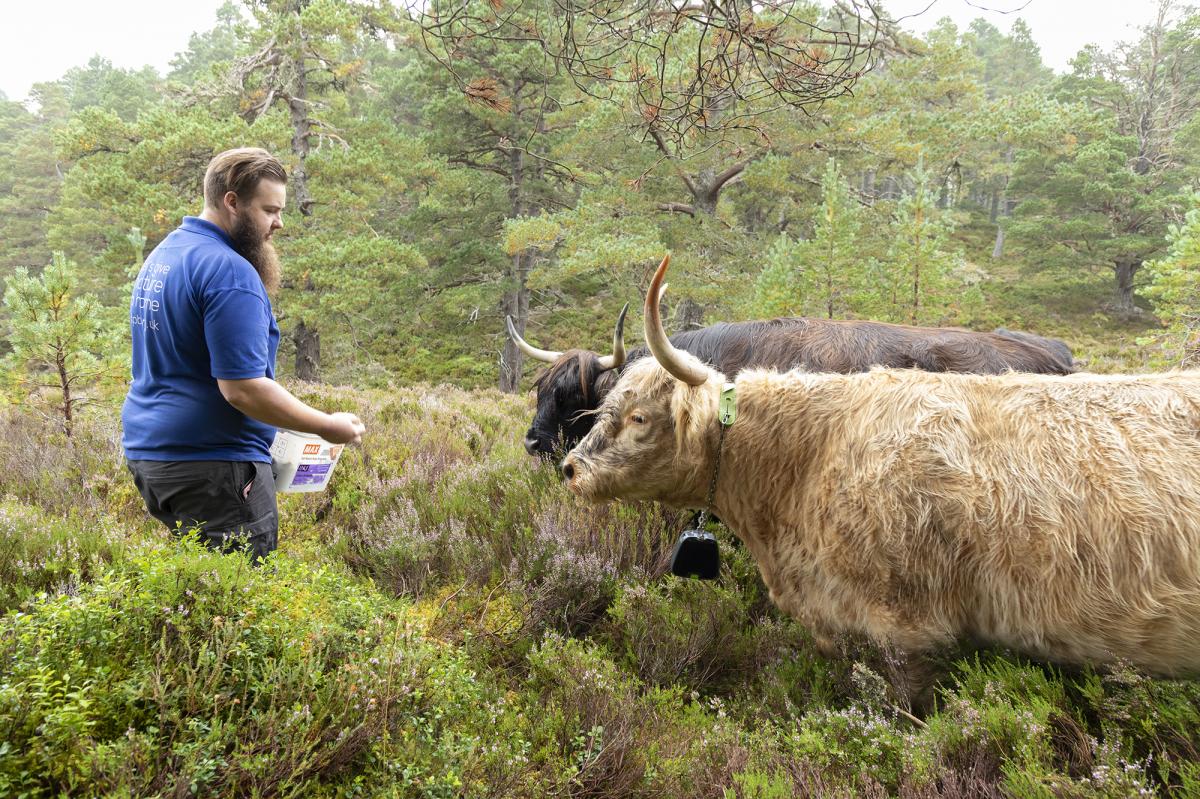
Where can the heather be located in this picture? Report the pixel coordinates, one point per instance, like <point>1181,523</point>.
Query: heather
<point>447,621</point>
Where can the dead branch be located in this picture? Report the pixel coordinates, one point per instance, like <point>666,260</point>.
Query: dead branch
<point>744,57</point>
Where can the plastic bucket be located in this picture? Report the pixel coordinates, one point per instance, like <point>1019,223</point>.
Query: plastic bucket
<point>302,462</point>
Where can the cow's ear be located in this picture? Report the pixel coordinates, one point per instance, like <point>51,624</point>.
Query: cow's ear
<point>680,420</point>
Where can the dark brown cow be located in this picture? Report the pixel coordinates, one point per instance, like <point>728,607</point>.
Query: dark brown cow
<point>1055,346</point>
<point>575,383</point>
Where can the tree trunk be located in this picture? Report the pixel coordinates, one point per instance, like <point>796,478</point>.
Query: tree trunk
<point>301,133</point>
<point>689,315</point>
<point>1123,300</point>
<point>916,285</point>
<point>308,352</point>
<point>1001,206</point>
<point>704,186</point>
<point>868,185</point>
<point>916,296</point>
<point>299,176</point>
<point>61,364</point>
<point>829,280</point>
<point>707,192</point>
<point>307,339</point>
<point>515,302</point>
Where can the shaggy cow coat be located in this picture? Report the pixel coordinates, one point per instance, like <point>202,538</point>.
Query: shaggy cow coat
<point>1058,515</point>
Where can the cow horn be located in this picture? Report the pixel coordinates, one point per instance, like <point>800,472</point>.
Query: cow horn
<point>549,356</point>
<point>618,357</point>
<point>656,338</point>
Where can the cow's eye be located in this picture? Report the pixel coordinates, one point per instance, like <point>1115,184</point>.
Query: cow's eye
<point>637,418</point>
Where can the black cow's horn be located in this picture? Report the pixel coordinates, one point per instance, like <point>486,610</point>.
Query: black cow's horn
<point>668,357</point>
<point>618,357</point>
<point>549,356</point>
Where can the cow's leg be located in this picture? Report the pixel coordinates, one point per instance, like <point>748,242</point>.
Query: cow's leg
<point>916,678</point>
<point>826,645</point>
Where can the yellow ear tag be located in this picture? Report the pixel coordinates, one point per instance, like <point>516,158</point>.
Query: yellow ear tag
<point>727,410</point>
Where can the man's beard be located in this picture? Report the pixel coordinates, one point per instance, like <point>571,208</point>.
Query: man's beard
<point>255,248</point>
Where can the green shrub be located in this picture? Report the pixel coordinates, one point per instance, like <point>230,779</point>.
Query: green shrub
<point>42,554</point>
<point>1017,719</point>
<point>1144,724</point>
<point>790,677</point>
<point>189,671</point>
<point>82,477</point>
<point>406,557</point>
<point>575,557</point>
<point>856,742</point>
<point>688,632</point>
<point>602,732</point>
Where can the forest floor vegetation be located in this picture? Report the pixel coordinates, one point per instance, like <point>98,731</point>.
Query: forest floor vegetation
<point>446,621</point>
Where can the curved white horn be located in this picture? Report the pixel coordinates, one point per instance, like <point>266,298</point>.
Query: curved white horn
<point>618,356</point>
<point>548,356</point>
<point>656,338</point>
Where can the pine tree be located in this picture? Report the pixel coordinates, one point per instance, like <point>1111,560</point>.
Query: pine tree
<point>1175,290</point>
<point>825,275</point>
<point>60,342</point>
<point>29,186</point>
<point>919,274</point>
<point>304,55</point>
<point>832,264</point>
<point>778,290</point>
<point>1106,195</point>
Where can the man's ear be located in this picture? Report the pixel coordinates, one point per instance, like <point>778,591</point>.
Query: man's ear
<point>230,201</point>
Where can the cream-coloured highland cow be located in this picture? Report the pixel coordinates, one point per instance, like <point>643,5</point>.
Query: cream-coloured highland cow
<point>1058,515</point>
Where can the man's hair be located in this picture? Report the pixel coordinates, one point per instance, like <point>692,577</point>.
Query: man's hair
<point>240,171</point>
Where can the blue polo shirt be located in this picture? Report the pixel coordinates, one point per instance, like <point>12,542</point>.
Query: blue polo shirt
<point>199,312</point>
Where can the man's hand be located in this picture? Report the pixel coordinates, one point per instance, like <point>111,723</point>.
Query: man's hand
<point>344,428</point>
<point>263,399</point>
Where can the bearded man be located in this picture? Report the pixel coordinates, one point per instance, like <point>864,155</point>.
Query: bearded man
<point>203,406</point>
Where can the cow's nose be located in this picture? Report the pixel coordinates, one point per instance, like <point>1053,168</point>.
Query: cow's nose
<point>568,469</point>
<point>532,446</point>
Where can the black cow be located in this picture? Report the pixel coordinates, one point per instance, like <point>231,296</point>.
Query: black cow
<point>576,381</point>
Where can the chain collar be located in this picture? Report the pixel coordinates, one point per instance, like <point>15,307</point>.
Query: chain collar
<point>726,414</point>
